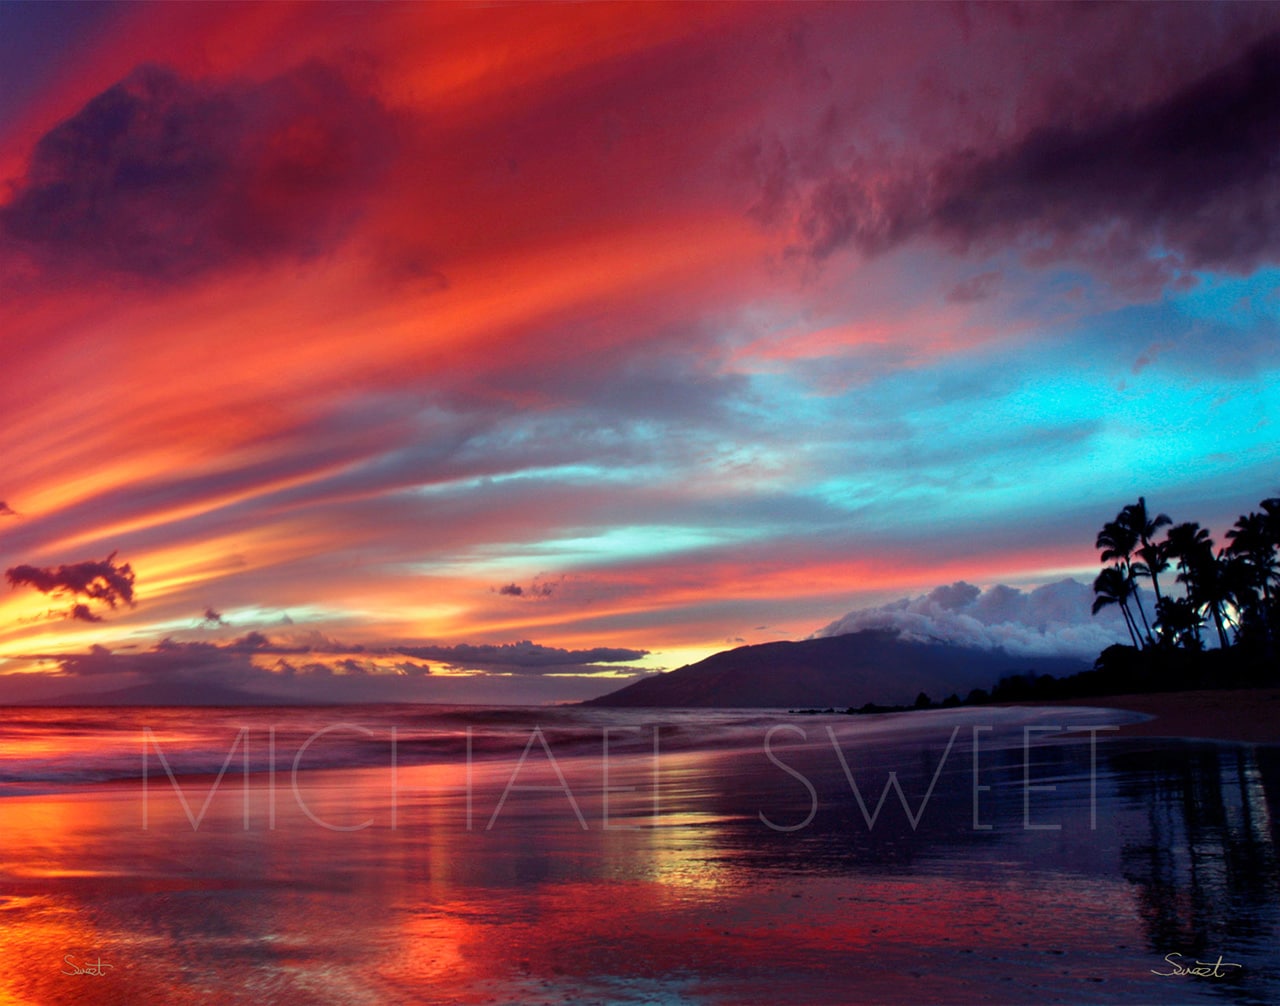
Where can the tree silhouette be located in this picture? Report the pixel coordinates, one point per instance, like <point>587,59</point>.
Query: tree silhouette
<point>1112,586</point>
<point>1179,621</point>
<point>1236,588</point>
<point>1190,546</point>
<point>1254,543</point>
<point>1149,551</point>
<point>1118,539</point>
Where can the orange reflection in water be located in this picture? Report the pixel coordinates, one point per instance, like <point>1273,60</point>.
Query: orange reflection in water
<point>463,883</point>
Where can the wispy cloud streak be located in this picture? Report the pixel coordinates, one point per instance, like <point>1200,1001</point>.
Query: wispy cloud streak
<point>547,343</point>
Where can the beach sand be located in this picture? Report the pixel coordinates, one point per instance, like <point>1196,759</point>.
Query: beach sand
<point>1006,868</point>
<point>1248,715</point>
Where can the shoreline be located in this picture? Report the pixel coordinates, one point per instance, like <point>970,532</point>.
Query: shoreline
<point>1242,715</point>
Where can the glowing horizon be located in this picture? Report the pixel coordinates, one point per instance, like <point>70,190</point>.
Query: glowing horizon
<point>632,332</point>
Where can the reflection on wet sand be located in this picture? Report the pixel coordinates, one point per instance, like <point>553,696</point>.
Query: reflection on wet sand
<point>1204,868</point>
<point>1003,866</point>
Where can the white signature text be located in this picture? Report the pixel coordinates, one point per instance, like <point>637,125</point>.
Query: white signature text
<point>97,967</point>
<point>1200,969</point>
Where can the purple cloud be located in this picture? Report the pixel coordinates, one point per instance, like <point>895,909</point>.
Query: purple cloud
<point>524,657</point>
<point>1192,175</point>
<point>103,581</point>
<point>534,590</point>
<point>165,178</point>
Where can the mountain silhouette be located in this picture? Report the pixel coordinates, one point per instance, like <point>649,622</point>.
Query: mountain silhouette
<point>873,665</point>
<point>177,693</point>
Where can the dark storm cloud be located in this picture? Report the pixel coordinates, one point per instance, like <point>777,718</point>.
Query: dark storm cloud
<point>1194,175</point>
<point>163,177</point>
<point>167,659</point>
<point>533,591</point>
<point>1198,170</point>
<point>523,657</point>
<point>104,581</point>
<point>254,667</point>
<point>256,642</point>
<point>231,663</point>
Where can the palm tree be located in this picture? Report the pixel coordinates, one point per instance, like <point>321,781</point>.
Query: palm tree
<point>1154,561</point>
<point>1271,507</point>
<point>1238,586</point>
<point>1202,572</point>
<point>1144,526</point>
<point>1252,540</point>
<point>1253,545</point>
<point>1117,540</point>
<point>1114,586</point>
<point>1179,621</point>
<point>1186,542</point>
<point>1192,548</point>
<point>1214,591</point>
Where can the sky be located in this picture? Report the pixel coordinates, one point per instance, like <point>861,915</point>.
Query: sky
<point>501,353</point>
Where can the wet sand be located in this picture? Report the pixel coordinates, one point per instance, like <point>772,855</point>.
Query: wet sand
<point>1248,715</point>
<point>1007,868</point>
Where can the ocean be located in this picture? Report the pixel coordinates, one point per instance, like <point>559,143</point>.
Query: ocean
<point>430,854</point>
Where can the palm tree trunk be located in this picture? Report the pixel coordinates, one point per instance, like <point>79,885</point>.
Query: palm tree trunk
<point>1155,587</point>
<point>1217,621</point>
<point>1137,599</point>
<point>1130,624</point>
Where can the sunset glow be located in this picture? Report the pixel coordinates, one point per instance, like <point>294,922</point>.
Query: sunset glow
<point>383,336</point>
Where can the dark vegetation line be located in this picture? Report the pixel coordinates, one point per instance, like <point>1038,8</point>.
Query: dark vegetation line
<point>1230,594</point>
